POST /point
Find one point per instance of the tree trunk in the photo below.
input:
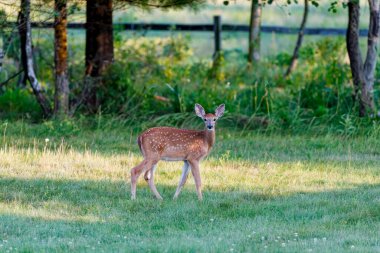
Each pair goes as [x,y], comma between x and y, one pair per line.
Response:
[1,59]
[254,32]
[352,43]
[61,98]
[29,68]
[294,60]
[22,34]
[371,59]
[99,45]
[363,74]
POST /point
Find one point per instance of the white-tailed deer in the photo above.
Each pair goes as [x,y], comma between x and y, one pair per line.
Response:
[173,144]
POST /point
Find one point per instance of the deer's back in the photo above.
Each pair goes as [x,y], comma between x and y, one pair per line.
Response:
[172,144]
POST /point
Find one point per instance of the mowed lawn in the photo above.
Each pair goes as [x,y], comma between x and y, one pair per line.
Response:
[262,193]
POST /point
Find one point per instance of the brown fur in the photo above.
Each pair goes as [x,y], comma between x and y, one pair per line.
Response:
[173,144]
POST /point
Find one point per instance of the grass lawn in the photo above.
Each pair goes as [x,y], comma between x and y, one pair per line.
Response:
[261,194]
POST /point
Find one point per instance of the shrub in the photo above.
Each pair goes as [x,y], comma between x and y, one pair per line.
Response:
[14,102]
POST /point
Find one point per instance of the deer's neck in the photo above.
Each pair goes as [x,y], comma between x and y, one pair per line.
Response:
[209,138]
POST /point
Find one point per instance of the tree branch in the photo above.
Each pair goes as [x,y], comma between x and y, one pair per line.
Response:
[10,78]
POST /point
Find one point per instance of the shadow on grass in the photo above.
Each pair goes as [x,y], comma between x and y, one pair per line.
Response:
[102,198]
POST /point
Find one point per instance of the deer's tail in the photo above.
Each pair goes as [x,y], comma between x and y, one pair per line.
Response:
[139,142]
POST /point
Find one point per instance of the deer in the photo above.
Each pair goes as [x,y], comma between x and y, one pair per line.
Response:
[174,144]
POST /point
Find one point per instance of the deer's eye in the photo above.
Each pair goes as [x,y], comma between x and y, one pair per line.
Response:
[204,119]
[214,119]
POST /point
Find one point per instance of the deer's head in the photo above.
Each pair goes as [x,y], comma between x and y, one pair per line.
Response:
[209,118]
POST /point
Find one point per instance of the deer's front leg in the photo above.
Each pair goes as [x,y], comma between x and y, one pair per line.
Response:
[197,177]
[182,181]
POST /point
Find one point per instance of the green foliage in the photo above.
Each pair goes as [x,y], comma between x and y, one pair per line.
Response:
[327,87]
[152,77]
[63,128]
[3,16]
[157,80]
[348,126]
[160,79]
[16,101]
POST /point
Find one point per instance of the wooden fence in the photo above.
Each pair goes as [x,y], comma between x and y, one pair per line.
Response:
[216,27]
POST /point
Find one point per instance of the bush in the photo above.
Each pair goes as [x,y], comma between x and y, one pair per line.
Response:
[14,102]
[156,77]
[158,80]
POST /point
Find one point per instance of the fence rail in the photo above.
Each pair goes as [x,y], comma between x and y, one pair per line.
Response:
[210,28]
[216,27]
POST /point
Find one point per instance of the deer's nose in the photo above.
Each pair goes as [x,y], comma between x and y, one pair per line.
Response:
[209,127]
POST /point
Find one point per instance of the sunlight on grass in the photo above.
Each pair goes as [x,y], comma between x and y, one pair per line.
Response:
[272,178]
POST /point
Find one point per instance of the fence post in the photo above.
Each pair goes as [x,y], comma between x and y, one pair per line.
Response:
[217,35]
[216,71]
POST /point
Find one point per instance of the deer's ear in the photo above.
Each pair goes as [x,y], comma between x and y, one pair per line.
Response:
[199,110]
[219,111]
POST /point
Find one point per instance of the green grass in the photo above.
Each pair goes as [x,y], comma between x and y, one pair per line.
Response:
[262,193]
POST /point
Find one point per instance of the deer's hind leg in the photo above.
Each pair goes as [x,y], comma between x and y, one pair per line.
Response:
[149,176]
[136,172]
